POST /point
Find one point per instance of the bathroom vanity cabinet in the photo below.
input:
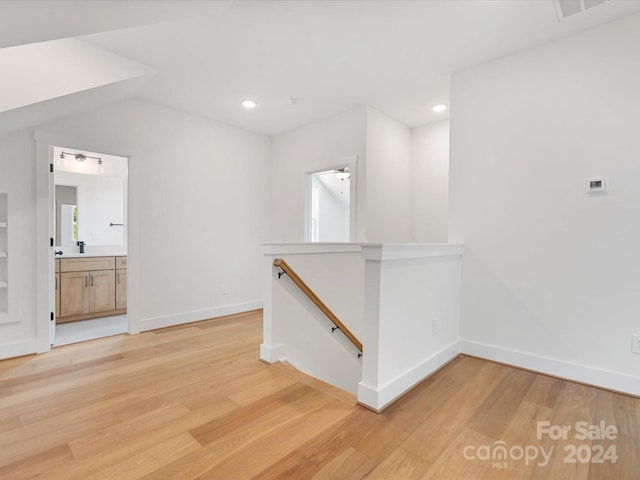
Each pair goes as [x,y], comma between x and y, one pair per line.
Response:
[121,283]
[90,287]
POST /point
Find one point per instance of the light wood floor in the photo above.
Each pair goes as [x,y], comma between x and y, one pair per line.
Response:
[194,402]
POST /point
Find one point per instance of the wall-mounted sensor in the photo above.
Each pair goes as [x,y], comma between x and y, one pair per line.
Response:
[596,185]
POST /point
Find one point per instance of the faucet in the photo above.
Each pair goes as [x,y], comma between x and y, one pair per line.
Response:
[81,245]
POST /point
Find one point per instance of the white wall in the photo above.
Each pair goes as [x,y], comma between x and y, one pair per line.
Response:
[319,146]
[17,179]
[388,194]
[550,275]
[430,183]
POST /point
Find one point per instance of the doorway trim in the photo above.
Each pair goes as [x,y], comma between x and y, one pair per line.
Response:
[351,162]
[45,265]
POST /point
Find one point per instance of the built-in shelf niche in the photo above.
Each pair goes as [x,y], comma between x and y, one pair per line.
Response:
[4,267]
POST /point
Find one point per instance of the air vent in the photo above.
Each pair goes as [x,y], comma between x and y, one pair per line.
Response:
[566,8]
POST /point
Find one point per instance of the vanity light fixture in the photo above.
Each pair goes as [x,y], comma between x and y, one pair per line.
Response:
[80,157]
[343,173]
[440,107]
[249,104]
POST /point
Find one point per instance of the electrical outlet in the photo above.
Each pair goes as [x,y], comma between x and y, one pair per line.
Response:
[434,326]
[224,289]
[635,343]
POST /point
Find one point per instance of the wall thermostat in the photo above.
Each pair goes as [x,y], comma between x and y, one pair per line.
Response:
[596,185]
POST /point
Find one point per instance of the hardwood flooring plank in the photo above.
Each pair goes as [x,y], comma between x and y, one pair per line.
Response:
[453,464]
[348,465]
[545,391]
[25,380]
[244,426]
[218,386]
[132,467]
[81,395]
[8,422]
[359,425]
[416,406]
[289,467]
[256,392]
[94,443]
[96,407]
[116,445]
[22,443]
[577,403]
[261,416]
[624,445]
[400,465]
[33,466]
[499,406]
[257,455]
[380,442]
[433,435]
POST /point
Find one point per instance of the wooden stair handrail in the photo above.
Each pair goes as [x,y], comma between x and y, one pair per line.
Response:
[281,264]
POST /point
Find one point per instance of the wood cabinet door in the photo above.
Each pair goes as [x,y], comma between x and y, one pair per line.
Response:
[121,262]
[102,290]
[57,294]
[121,289]
[74,293]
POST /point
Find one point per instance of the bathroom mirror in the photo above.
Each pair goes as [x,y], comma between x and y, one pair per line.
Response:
[90,198]
[66,215]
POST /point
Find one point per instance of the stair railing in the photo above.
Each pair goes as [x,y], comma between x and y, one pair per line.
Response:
[338,325]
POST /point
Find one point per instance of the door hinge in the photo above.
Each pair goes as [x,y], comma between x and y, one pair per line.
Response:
[51,168]
[52,316]
[51,241]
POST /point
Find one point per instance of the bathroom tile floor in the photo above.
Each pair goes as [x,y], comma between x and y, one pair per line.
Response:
[75,332]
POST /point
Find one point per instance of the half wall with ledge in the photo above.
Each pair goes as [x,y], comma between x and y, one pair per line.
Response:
[402,301]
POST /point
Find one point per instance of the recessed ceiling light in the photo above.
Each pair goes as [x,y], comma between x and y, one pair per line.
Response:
[249,104]
[441,107]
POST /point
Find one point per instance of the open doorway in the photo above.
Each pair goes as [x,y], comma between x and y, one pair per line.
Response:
[330,212]
[89,211]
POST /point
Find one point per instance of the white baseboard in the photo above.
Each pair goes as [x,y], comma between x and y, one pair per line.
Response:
[378,399]
[197,315]
[18,349]
[558,368]
[272,353]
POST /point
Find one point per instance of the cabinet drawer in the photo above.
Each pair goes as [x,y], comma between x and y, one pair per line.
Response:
[87,263]
[121,262]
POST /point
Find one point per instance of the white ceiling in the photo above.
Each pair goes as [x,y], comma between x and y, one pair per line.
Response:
[31,21]
[396,56]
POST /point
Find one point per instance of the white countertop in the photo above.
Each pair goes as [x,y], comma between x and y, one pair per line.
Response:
[89,254]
